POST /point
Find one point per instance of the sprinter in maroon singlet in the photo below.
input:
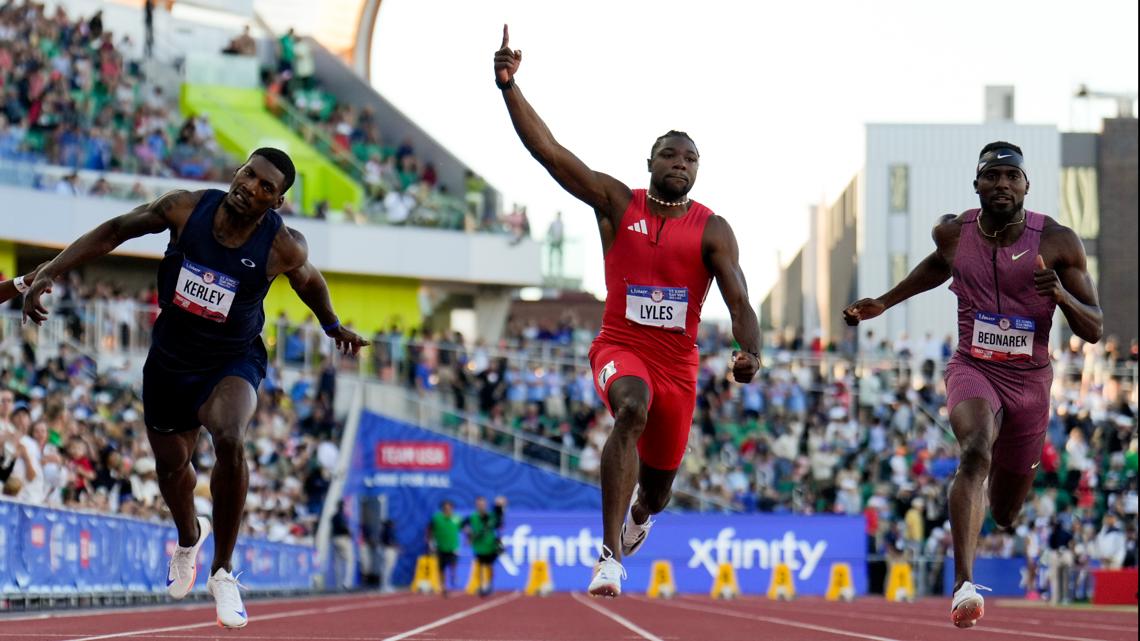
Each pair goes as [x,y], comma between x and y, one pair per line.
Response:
[1011,268]
[662,251]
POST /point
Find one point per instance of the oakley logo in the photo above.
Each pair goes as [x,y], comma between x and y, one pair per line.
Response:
[248,263]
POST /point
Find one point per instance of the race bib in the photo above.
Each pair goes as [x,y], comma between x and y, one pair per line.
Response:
[1002,338]
[205,292]
[664,307]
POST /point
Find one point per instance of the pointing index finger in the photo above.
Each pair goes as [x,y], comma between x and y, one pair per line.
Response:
[506,37]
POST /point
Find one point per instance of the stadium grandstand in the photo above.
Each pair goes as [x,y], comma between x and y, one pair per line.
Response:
[838,454]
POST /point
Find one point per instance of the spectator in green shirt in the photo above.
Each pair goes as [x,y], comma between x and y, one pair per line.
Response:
[482,529]
[443,539]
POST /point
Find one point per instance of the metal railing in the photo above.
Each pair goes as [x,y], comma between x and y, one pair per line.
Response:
[428,413]
[313,134]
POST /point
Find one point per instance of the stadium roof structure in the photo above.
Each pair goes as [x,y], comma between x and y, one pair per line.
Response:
[344,27]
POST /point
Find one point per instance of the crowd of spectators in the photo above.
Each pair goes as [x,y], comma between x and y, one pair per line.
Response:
[72,98]
[73,436]
[858,428]
[819,431]
[401,188]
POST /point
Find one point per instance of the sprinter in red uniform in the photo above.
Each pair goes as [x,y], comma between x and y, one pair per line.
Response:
[1011,269]
[662,251]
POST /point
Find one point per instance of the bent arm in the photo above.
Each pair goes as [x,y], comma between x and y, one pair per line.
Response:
[723,260]
[1080,303]
[166,212]
[29,468]
[304,278]
[928,274]
[604,193]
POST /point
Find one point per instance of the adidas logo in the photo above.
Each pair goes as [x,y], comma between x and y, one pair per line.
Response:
[639,227]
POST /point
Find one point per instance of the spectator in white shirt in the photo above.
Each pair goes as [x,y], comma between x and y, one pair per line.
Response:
[29,469]
[1078,449]
[68,186]
[398,206]
[1110,548]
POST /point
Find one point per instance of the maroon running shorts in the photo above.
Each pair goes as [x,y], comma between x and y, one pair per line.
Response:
[1018,398]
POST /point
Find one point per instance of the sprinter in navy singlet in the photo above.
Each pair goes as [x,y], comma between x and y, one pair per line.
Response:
[206,358]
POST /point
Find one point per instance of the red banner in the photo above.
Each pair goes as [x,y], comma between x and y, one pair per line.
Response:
[413,455]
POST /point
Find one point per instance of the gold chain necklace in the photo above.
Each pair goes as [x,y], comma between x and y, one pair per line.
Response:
[998,232]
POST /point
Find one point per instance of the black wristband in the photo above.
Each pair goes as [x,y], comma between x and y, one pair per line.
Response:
[509,84]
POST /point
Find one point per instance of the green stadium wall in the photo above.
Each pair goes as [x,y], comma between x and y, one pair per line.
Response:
[369,303]
[8,259]
[241,124]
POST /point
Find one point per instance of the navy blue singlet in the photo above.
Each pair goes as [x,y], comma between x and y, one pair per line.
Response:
[211,296]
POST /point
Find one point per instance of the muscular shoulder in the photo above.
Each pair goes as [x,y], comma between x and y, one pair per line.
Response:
[290,250]
[177,205]
[718,233]
[947,229]
[1060,238]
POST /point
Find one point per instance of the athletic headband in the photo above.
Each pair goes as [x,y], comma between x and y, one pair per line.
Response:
[1003,156]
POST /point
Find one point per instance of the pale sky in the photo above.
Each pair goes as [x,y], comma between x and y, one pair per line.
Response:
[776,95]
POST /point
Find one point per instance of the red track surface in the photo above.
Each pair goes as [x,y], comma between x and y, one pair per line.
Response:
[573,617]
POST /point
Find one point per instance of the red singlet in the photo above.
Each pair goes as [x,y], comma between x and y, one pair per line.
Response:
[656,283]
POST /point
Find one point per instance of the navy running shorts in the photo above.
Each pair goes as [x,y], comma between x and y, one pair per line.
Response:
[171,399]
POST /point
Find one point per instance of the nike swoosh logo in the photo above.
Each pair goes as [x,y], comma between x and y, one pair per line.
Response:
[241,613]
[1005,156]
[169,581]
[1016,256]
[1034,466]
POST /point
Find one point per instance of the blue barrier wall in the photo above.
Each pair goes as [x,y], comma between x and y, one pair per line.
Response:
[417,469]
[559,519]
[47,550]
[1006,577]
[695,544]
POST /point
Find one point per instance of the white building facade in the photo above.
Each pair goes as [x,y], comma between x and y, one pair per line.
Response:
[913,175]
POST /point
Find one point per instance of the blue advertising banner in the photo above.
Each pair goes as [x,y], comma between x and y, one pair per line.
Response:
[1006,577]
[416,469]
[695,544]
[9,558]
[47,550]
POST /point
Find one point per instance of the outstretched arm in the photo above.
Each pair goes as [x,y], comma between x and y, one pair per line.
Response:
[1066,280]
[722,256]
[168,211]
[10,289]
[930,273]
[604,193]
[293,257]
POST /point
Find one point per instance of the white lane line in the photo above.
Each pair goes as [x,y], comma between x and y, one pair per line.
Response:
[981,627]
[984,627]
[989,618]
[453,618]
[998,616]
[275,637]
[773,620]
[264,617]
[617,618]
[187,607]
